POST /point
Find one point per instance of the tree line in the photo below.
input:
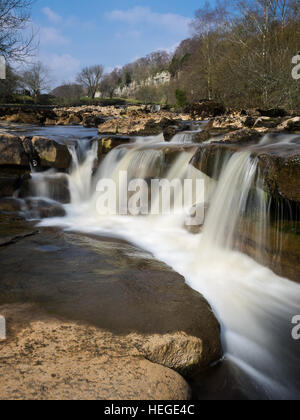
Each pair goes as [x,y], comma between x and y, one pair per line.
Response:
[240,53]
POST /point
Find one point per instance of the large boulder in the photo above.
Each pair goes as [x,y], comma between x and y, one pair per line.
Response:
[210,158]
[279,249]
[280,171]
[245,135]
[177,351]
[50,153]
[107,143]
[148,125]
[12,152]
[14,164]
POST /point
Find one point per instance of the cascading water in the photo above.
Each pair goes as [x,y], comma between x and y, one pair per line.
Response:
[254,305]
[80,180]
[188,136]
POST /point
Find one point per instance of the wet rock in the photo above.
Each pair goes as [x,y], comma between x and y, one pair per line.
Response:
[210,158]
[44,209]
[170,132]
[202,136]
[279,249]
[14,164]
[280,171]
[14,228]
[10,205]
[51,154]
[55,186]
[11,179]
[106,144]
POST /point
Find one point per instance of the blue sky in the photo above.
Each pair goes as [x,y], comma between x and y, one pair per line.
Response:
[78,33]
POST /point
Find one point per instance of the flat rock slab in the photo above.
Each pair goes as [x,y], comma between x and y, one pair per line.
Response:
[118,290]
[48,358]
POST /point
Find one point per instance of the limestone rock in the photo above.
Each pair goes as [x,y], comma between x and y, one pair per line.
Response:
[292,124]
[281,174]
[12,151]
[106,144]
[244,135]
[51,154]
[61,360]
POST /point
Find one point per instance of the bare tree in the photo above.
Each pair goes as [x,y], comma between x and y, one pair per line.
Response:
[208,25]
[9,86]
[264,21]
[14,19]
[36,79]
[90,78]
[110,83]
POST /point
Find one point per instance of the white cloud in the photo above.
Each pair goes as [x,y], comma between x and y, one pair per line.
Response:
[61,64]
[52,36]
[171,22]
[52,16]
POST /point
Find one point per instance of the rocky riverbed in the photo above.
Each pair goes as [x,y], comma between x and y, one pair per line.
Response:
[218,139]
[98,318]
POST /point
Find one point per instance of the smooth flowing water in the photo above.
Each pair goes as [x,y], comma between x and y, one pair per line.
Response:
[254,306]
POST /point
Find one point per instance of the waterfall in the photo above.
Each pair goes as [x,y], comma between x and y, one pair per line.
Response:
[80,180]
[237,193]
[254,305]
[184,137]
[188,136]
